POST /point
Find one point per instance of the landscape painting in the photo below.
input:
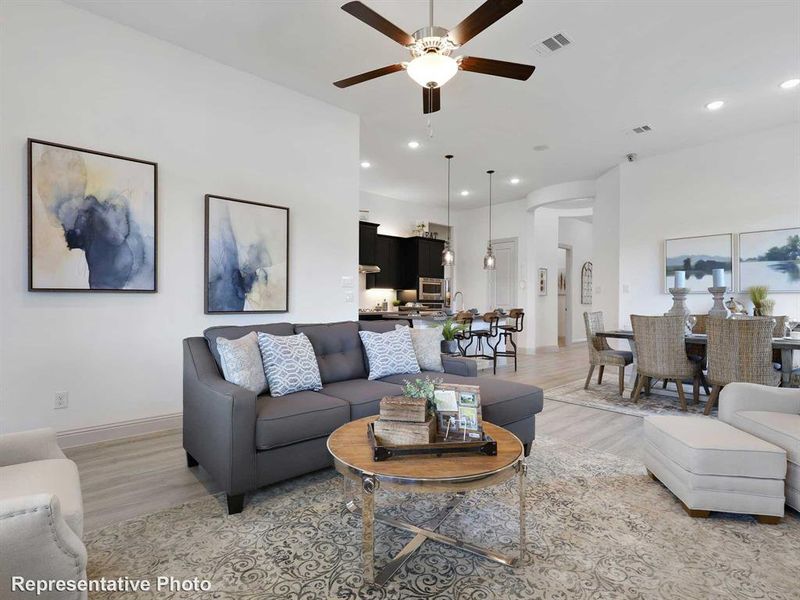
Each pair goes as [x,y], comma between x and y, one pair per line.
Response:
[770,258]
[92,220]
[699,256]
[247,256]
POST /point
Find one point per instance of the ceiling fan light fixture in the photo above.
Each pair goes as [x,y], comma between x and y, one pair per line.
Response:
[432,70]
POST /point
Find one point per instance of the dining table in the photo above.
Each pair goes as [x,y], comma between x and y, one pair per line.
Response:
[786,345]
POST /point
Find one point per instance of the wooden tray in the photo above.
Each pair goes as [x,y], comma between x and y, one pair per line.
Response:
[486,446]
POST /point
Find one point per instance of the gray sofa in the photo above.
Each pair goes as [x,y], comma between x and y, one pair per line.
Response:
[246,441]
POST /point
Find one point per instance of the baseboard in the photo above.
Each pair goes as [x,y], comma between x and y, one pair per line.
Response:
[82,436]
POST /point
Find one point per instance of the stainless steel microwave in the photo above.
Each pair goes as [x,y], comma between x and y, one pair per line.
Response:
[431,289]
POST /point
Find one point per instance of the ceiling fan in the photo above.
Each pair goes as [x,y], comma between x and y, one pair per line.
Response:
[432,64]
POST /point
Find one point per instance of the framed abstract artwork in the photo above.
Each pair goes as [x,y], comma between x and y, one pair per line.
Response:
[92,223]
[246,256]
[770,258]
[698,257]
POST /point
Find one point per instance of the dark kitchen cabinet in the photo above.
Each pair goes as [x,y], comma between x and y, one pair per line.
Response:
[367,243]
[429,257]
[387,254]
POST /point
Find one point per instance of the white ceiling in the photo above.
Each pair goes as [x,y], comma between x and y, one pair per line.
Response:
[656,62]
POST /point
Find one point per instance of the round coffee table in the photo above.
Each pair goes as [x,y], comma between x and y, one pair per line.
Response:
[352,457]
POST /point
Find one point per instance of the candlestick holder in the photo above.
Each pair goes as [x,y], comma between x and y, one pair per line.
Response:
[679,302]
[718,310]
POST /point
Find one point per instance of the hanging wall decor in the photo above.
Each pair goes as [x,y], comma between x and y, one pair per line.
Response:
[586,283]
[697,257]
[770,258]
[91,220]
[246,256]
[543,282]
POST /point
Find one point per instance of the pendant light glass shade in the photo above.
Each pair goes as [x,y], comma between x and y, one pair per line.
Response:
[448,256]
[488,259]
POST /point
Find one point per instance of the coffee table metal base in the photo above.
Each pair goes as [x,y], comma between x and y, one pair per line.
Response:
[369,488]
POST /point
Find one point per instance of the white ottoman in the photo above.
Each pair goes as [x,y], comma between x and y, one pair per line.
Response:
[711,466]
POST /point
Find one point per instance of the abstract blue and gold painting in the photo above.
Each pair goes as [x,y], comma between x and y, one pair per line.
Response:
[92,220]
[247,256]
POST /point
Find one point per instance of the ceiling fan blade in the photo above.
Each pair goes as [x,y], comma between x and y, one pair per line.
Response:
[483,16]
[499,68]
[366,15]
[343,83]
[431,100]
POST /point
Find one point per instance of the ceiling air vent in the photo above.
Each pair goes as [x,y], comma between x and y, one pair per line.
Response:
[552,44]
[642,129]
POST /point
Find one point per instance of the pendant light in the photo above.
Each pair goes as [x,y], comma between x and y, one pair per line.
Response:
[488,260]
[448,256]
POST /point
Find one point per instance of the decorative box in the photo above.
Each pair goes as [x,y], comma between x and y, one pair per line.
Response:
[399,433]
[403,408]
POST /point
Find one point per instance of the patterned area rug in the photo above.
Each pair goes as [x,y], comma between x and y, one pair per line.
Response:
[606,397]
[599,528]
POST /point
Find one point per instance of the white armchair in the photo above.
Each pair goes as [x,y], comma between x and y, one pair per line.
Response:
[41,514]
[772,414]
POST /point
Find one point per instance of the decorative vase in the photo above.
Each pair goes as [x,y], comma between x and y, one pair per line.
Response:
[449,347]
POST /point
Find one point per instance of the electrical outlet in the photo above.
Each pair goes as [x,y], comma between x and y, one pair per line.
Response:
[349,297]
[61,400]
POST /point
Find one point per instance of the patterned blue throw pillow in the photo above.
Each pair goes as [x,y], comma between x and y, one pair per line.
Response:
[290,363]
[389,353]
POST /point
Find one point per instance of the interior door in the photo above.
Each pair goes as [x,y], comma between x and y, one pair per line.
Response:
[503,280]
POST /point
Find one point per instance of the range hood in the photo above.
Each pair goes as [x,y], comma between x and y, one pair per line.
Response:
[369,269]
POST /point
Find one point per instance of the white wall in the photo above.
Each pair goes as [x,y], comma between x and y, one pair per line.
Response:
[607,265]
[74,78]
[749,183]
[577,235]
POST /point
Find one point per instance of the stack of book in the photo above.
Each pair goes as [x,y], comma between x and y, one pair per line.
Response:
[404,420]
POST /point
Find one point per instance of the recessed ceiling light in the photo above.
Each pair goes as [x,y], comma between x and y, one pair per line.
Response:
[413,144]
[366,164]
[790,83]
[465,192]
[541,147]
[715,105]
[514,180]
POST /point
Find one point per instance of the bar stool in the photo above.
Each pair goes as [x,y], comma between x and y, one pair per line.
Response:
[514,324]
[493,319]
[464,318]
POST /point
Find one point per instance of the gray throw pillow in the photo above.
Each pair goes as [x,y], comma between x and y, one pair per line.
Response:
[241,362]
[389,353]
[427,346]
[290,363]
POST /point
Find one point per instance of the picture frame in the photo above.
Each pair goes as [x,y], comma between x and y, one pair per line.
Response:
[698,256]
[105,206]
[458,412]
[246,256]
[586,283]
[769,257]
[542,282]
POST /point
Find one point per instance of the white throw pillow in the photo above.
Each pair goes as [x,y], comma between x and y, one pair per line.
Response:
[290,363]
[427,346]
[389,353]
[241,362]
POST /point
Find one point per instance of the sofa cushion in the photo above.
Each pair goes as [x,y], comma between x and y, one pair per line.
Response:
[58,476]
[290,363]
[338,350]
[710,447]
[781,429]
[389,353]
[297,417]
[241,362]
[427,344]
[502,402]
[233,332]
[363,396]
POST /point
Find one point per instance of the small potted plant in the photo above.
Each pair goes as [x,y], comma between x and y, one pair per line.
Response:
[762,305]
[449,331]
[422,388]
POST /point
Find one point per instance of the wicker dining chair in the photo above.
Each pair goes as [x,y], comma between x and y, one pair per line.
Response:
[740,350]
[601,354]
[661,354]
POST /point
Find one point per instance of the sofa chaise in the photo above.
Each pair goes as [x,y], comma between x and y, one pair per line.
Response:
[246,441]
